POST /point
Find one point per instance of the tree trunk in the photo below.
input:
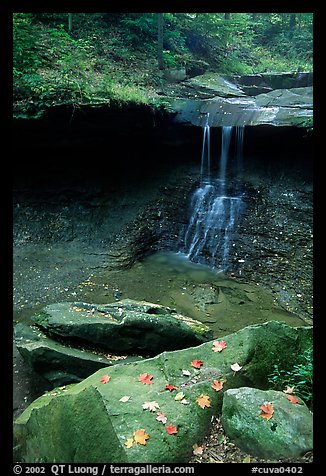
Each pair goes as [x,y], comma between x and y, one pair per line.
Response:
[227,16]
[69,22]
[160,41]
[293,21]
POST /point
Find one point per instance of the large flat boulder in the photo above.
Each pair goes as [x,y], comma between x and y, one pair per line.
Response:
[55,427]
[60,364]
[126,326]
[278,99]
[283,107]
[287,434]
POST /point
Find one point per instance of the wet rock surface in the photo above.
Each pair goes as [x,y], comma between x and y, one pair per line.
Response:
[60,363]
[288,434]
[278,99]
[70,409]
[79,226]
[126,326]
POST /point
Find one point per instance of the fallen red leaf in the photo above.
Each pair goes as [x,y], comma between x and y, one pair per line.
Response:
[267,410]
[146,379]
[197,363]
[292,399]
[170,387]
[105,379]
[171,429]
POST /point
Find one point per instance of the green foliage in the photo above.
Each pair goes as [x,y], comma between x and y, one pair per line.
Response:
[113,56]
[300,376]
[25,53]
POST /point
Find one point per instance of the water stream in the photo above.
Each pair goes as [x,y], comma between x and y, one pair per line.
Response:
[209,236]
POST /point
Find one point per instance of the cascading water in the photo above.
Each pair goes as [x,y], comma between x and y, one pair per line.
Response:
[209,235]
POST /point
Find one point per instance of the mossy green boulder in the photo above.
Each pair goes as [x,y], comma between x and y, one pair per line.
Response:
[60,364]
[88,421]
[288,433]
[126,326]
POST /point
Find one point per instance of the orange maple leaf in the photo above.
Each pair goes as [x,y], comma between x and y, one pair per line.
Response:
[146,379]
[218,346]
[197,363]
[140,436]
[105,379]
[267,410]
[170,387]
[171,429]
[217,385]
[203,401]
[292,399]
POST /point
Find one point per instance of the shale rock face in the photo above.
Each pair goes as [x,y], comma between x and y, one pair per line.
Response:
[125,326]
[282,99]
[287,434]
[56,427]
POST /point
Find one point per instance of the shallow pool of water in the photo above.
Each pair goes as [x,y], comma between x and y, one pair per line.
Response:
[224,304]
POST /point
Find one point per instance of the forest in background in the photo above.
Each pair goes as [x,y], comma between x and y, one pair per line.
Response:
[75,58]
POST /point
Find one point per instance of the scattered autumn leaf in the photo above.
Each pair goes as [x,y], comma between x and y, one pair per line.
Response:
[105,379]
[170,387]
[203,401]
[267,410]
[219,345]
[184,401]
[146,379]
[171,429]
[217,385]
[197,363]
[292,399]
[179,396]
[151,406]
[197,450]
[289,389]
[129,443]
[236,367]
[140,436]
[186,373]
[124,399]
[161,417]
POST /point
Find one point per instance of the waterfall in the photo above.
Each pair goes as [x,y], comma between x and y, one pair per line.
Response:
[209,235]
[206,152]
[226,139]
[239,133]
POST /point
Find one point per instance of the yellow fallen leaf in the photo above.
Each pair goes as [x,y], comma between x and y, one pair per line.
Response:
[140,436]
[129,443]
[179,396]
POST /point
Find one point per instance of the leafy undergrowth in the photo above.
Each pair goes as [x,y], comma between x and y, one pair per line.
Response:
[217,448]
[113,57]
